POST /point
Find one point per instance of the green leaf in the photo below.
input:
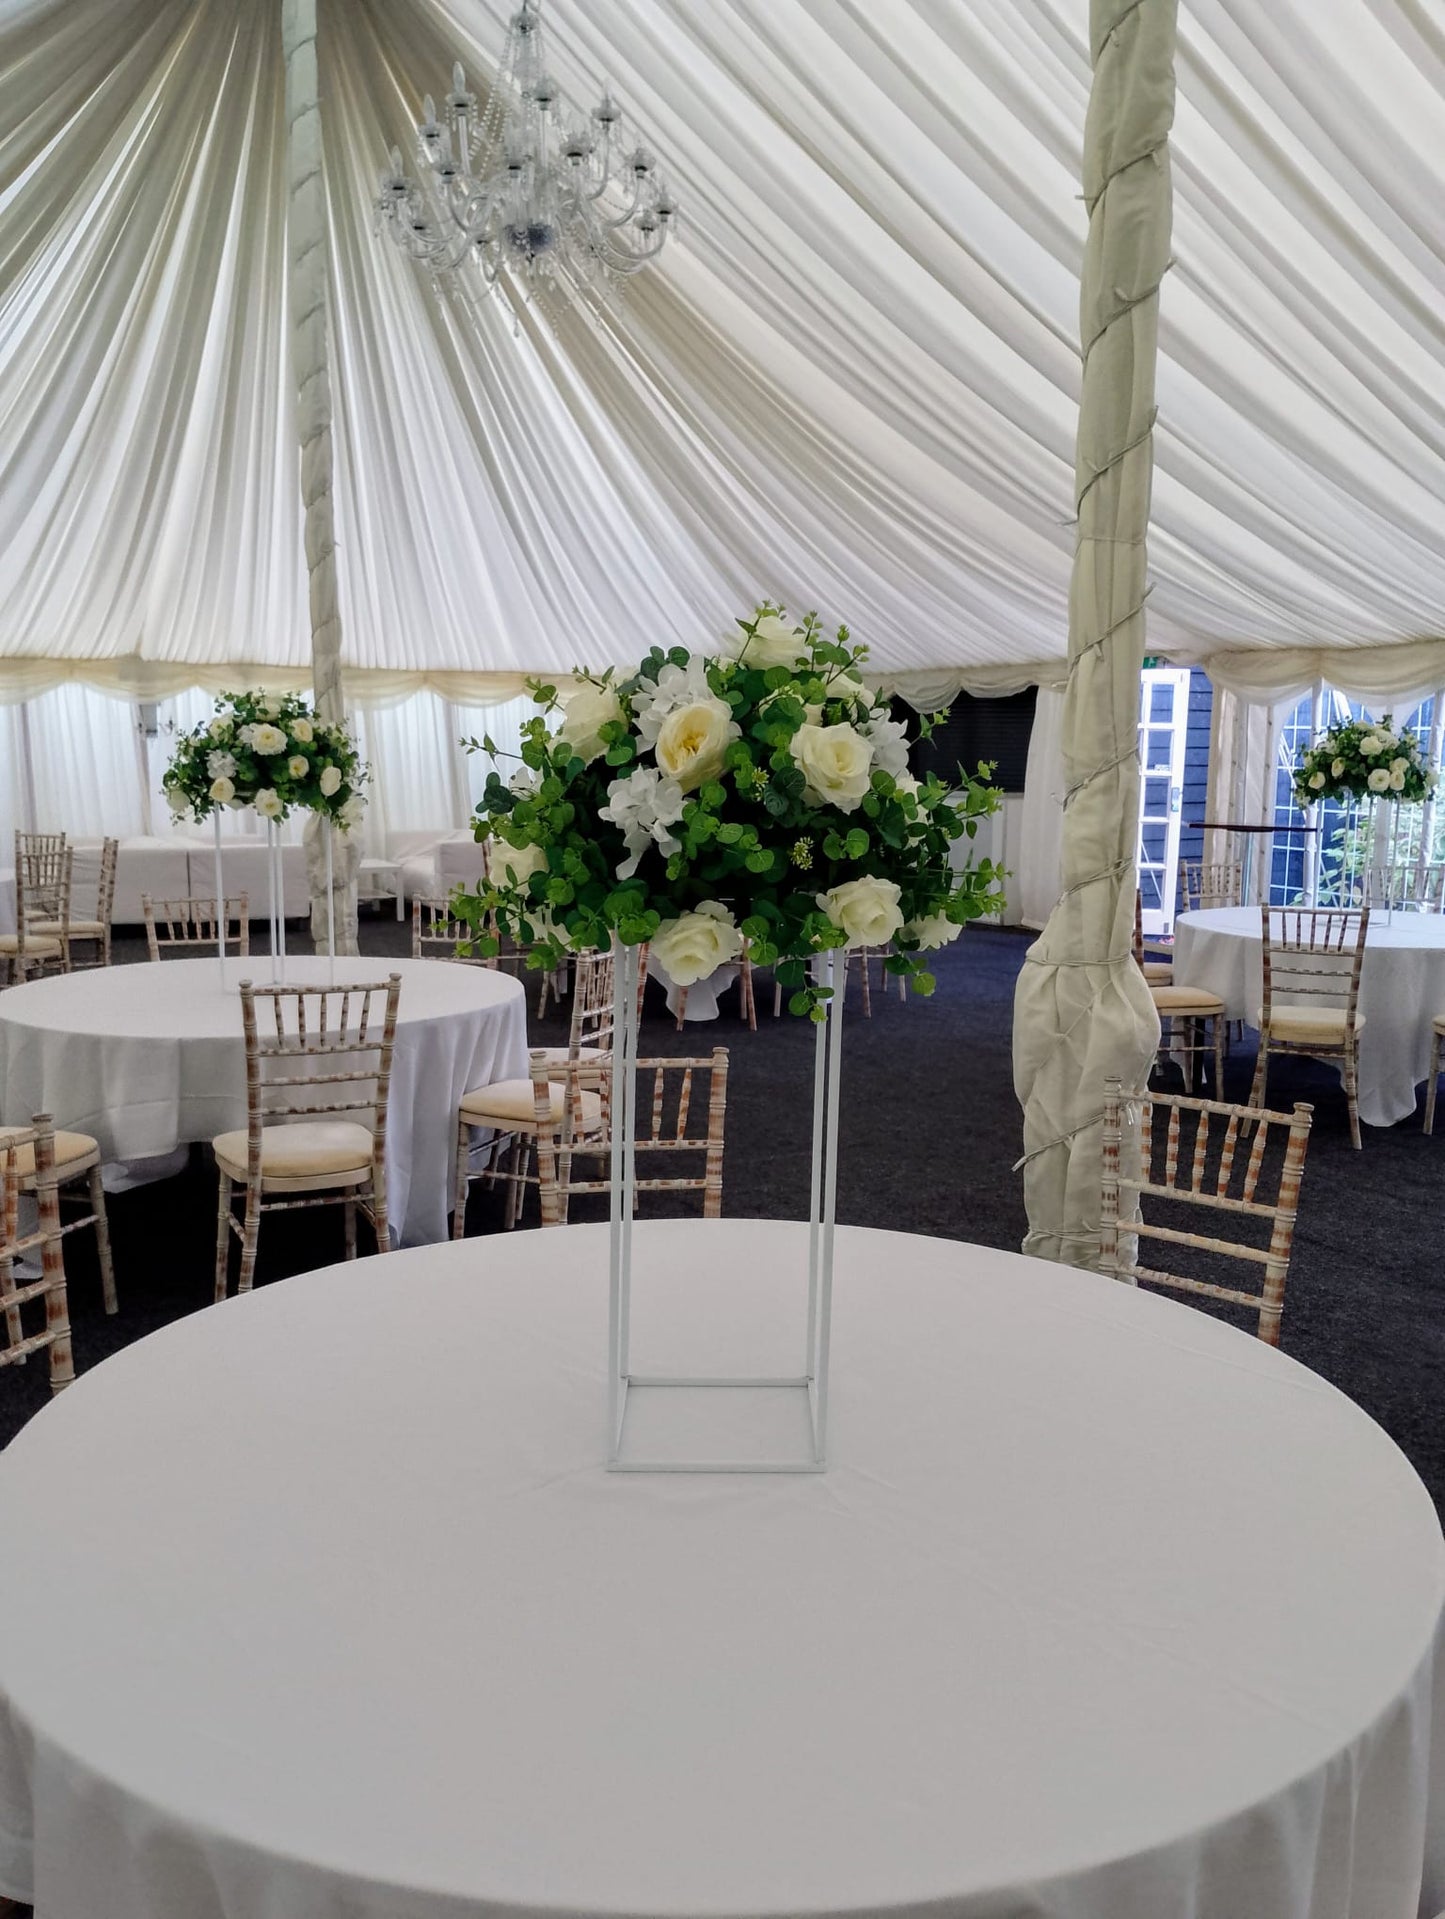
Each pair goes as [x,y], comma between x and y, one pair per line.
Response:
[760,860]
[924,983]
[712,795]
[729,833]
[620,752]
[857,843]
[800,1003]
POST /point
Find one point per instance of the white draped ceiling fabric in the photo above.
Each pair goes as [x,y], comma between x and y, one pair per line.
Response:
[853,382]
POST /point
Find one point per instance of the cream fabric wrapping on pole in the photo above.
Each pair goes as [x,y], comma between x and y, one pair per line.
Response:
[306,262]
[1082,1010]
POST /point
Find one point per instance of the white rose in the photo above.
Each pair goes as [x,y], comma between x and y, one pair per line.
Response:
[1400,766]
[1370,746]
[866,910]
[1317,780]
[848,688]
[268,803]
[223,791]
[1380,780]
[177,802]
[269,709]
[772,643]
[586,709]
[219,728]
[302,732]
[267,740]
[696,944]
[1337,769]
[297,766]
[837,763]
[936,930]
[692,742]
[330,781]
[1397,782]
[517,863]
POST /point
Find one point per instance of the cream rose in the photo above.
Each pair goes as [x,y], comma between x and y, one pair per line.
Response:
[1397,782]
[1380,779]
[330,781]
[219,728]
[297,766]
[1317,780]
[223,791]
[586,709]
[936,930]
[177,802]
[1370,746]
[696,944]
[837,763]
[771,643]
[1401,765]
[267,740]
[268,803]
[302,732]
[1337,769]
[866,910]
[517,864]
[693,740]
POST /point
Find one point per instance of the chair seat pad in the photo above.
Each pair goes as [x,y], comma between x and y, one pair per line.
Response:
[1187,999]
[317,1147]
[511,1102]
[77,929]
[559,1055]
[1309,1025]
[1438,1023]
[1158,972]
[68,1147]
[35,948]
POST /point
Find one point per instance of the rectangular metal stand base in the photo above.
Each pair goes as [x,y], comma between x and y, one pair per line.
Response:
[677,1424]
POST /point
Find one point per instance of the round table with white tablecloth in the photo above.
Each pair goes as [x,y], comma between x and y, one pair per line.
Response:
[1402,988]
[150,1057]
[322,1601]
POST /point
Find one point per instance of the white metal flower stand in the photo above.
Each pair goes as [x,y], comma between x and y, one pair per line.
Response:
[810,1384]
[276,903]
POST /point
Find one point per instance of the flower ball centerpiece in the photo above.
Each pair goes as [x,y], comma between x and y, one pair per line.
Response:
[1364,760]
[270,752]
[759,796]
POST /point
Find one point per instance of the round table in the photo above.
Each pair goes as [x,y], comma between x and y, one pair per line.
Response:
[1402,988]
[321,1601]
[150,1057]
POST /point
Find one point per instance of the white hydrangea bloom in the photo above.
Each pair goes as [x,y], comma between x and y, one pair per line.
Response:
[644,806]
[676,686]
[889,740]
[221,766]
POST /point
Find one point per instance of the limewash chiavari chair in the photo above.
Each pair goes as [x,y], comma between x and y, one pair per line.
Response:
[1312,957]
[674,1098]
[507,1109]
[89,932]
[1221,1159]
[43,865]
[336,1040]
[1156,972]
[1429,892]
[182,925]
[1208,883]
[747,1005]
[76,1157]
[1437,1042]
[437,933]
[28,1166]
[1184,1012]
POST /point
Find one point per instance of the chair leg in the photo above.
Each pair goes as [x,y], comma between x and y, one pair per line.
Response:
[1352,1091]
[681,1006]
[350,1210]
[863,958]
[102,1240]
[459,1196]
[223,1236]
[746,1008]
[381,1223]
[1257,1085]
[777,999]
[250,1233]
[14,1331]
[1430,1089]
[1221,1034]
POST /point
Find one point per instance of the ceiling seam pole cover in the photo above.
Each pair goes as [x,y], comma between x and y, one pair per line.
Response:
[307,253]
[1082,1010]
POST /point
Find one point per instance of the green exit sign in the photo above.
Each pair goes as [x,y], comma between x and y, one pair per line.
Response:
[1152,660]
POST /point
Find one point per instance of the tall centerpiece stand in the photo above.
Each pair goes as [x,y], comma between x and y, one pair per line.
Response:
[273,753]
[754,804]
[1375,765]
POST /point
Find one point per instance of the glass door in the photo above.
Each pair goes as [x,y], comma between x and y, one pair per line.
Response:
[1163,731]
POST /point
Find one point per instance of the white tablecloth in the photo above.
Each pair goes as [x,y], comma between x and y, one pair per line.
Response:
[320,1603]
[1402,988]
[149,1057]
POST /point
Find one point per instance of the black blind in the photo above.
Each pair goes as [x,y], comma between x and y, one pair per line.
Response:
[976,729]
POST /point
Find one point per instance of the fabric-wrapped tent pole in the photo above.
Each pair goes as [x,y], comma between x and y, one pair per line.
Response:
[1082,1010]
[306,275]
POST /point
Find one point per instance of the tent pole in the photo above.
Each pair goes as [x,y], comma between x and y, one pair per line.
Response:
[1082,1010]
[307,267]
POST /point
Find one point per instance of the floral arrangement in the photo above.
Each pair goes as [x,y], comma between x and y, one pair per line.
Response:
[1363,759]
[760,795]
[270,753]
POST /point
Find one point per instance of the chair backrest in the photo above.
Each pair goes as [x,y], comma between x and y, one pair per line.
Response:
[1429,893]
[1404,886]
[185,925]
[27,1158]
[436,933]
[1312,957]
[305,1041]
[594,985]
[1236,1163]
[43,866]
[105,889]
[681,1116]
[1206,883]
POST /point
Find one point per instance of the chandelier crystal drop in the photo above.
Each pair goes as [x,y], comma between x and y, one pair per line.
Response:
[525,189]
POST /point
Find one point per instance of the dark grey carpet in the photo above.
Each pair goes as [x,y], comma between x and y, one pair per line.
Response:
[930,1131]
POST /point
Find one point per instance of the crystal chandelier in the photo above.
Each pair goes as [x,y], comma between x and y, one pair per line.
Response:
[525,190]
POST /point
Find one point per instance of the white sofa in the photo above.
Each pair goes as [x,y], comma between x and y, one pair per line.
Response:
[180,868]
[433,864]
